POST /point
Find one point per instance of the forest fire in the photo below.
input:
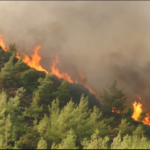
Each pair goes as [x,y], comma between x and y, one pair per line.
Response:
[82,82]
[2,44]
[55,71]
[34,62]
[137,112]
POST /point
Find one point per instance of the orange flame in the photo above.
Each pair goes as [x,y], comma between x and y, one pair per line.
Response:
[138,110]
[85,85]
[55,71]
[115,111]
[2,44]
[146,120]
[34,63]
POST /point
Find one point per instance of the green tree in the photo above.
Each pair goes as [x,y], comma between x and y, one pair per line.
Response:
[127,113]
[113,98]
[130,142]
[45,93]
[29,79]
[12,48]
[42,127]
[20,65]
[96,142]
[67,143]
[42,144]
[14,108]
[79,118]
[116,142]
[63,93]
[11,127]
[139,131]
[125,127]
[7,71]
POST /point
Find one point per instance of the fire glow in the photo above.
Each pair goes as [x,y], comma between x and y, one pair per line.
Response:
[137,107]
[115,111]
[34,63]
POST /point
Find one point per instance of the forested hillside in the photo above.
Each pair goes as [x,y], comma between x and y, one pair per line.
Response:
[40,111]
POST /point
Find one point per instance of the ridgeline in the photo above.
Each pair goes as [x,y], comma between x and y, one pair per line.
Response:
[40,111]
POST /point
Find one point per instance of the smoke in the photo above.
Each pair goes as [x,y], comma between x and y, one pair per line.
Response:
[106,41]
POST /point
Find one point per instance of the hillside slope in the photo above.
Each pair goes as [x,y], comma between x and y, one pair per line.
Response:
[38,110]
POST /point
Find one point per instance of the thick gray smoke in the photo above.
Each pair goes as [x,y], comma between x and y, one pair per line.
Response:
[104,40]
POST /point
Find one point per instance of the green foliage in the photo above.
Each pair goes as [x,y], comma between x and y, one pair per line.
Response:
[12,48]
[125,127]
[113,98]
[45,93]
[42,144]
[10,125]
[79,118]
[68,142]
[29,140]
[130,142]
[8,69]
[29,79]
[127,113]
[139,131]
[20,65]
[5,56]
[63,93]
[96,142]
[36,113]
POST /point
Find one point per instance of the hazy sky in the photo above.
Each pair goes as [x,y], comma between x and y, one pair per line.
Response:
[104,40]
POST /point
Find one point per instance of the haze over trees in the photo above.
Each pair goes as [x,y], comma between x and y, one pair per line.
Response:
[39,111]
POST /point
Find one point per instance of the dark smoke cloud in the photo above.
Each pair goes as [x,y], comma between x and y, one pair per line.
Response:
[104,40]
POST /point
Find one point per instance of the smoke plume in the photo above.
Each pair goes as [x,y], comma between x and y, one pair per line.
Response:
[106,41]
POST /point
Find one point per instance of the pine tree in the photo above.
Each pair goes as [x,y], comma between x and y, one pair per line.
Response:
[5,132]
[96,142]
[45,91]
[139,131]
[67,143]
[20,65]
[130,142]
[116,142]
[113,98]
[79,118]
[10,125]
[43,125]
[63,93]
[125,127]
[42,144]
[8,69]
[12,48]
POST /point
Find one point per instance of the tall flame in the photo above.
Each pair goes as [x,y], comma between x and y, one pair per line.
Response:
[2,44]
[35,61]
[138,110]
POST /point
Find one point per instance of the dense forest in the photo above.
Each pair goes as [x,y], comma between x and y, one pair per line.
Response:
[40,111]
